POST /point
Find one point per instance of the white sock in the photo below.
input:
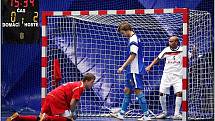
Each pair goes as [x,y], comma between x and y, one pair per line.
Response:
[177,105]
[163,103]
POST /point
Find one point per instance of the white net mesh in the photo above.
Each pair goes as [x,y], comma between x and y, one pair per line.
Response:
[91,44]
[201,76]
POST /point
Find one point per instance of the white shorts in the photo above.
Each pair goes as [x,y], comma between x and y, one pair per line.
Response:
[169,80]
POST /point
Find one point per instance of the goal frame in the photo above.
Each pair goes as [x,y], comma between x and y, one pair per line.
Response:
[185,40]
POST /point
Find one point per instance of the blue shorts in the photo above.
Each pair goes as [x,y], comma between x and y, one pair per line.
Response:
[134,81]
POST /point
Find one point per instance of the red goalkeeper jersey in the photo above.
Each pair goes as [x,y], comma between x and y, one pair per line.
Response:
[58,100]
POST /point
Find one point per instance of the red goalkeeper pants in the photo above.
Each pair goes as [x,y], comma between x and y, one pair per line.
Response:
[35,118]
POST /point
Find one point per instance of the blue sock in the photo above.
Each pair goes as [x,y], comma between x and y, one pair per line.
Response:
[142,102]
[125,103]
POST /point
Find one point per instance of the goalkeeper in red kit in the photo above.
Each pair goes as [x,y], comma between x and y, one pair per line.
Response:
[60,103]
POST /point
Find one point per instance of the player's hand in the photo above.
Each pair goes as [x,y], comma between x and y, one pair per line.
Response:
[120,70]
[148,68]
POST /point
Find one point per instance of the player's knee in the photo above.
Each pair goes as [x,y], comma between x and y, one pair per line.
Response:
[137,91]
[127,91]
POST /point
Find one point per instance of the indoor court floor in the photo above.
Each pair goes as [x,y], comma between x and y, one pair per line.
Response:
[114,119]
[129,119]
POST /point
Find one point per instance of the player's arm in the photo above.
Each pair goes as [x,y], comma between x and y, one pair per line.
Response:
[77,92]
[148,68]
[133,52]
[73,104]
[127,62]
[71,114]
[160,56]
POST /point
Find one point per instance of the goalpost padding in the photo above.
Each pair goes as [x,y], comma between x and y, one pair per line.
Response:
[87,41]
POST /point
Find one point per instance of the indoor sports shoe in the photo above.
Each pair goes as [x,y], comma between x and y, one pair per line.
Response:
[11,118]
[162,115]
[177,117]
[144,118]
[117,115]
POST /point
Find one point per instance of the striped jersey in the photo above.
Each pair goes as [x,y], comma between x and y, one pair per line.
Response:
[137,65]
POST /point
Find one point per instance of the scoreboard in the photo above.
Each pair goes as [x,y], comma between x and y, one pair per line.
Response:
[20,21]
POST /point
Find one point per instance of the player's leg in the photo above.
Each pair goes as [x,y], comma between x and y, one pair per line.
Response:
[162,99]
[141,100]
[178,102]
[17,117]
[45,110]
[143,105]
[62,117]
[127,94]
[125,104]
[164,89]
[178,91]
[126,99]
[138,85]
[13,117]
[56,118]
[50,108]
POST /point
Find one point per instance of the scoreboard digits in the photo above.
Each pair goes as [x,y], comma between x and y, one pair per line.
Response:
[20,21]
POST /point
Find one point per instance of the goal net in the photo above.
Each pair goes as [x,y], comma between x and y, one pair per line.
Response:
[87,42]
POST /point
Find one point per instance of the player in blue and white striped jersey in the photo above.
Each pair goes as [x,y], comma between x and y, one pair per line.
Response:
[134,67]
